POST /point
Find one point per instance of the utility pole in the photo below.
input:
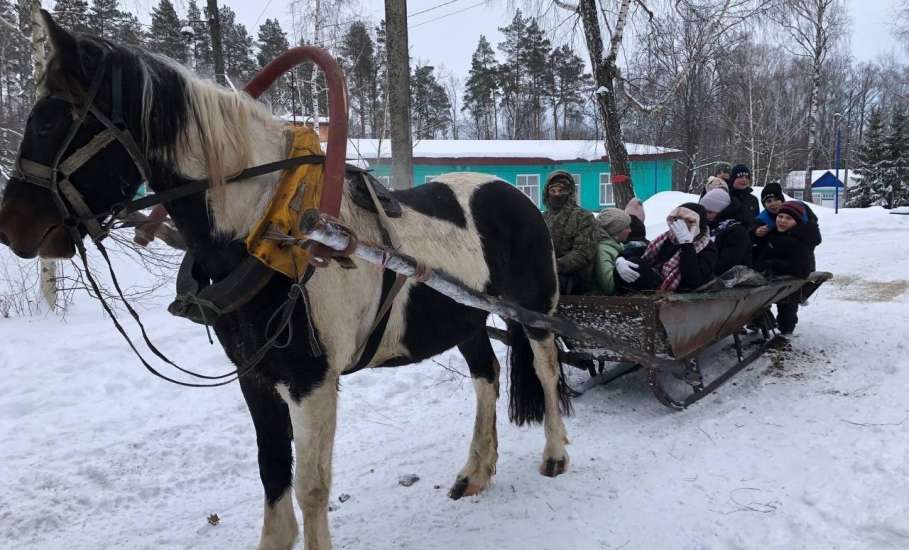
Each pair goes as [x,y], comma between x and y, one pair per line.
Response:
[217,49]
[399,93]
[47,268]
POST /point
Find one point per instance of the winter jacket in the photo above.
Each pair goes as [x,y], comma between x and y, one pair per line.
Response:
[768,219]
[731,236]
[697,268]
[573,231]
[604,269]
[745,197]
[790,252]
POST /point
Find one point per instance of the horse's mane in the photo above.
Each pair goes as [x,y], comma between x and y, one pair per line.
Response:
[199,127]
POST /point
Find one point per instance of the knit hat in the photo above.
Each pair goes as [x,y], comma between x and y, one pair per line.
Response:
[740,170]
[635,208]
[715,200]
[714,182]
[720,167]
[793,209]
[772,190]
[613,221]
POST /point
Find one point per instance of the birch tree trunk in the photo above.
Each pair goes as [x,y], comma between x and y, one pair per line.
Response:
[605,72]
[47,269]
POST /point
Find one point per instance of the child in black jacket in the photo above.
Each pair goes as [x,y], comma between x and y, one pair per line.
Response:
[789,250]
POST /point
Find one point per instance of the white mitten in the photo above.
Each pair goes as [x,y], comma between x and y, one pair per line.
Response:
[682,234]
[626,270]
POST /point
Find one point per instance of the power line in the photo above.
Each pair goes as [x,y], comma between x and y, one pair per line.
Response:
[256,24]
[446,15]
[443,4]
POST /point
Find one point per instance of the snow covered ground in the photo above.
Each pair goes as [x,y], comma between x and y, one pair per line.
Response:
[806,449]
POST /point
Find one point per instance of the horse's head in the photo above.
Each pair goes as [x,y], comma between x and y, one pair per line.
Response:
[75,160]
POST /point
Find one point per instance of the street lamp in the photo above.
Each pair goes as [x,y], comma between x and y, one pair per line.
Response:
[837,117]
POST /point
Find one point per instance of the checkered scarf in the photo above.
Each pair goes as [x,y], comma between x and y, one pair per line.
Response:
[670,271]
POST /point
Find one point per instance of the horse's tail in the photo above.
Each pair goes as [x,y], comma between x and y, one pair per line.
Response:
[526,403]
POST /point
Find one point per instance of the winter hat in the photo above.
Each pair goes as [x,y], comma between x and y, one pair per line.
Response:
[720,167]
[715,200]
[635,208]
[694,214]
[794,210]
[740,170]
[772,191]
[714,182]
[613,221]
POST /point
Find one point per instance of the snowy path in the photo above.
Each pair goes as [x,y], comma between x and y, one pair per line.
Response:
[808,451]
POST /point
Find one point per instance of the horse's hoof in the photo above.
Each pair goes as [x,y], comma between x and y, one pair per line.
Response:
[459,489]
[552,467]
[464,488]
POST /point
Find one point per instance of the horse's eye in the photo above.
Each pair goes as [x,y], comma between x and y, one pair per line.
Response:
[46,128]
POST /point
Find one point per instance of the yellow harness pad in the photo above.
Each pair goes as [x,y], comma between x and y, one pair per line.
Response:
[300,189]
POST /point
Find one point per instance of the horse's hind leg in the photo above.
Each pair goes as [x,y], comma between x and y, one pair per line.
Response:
[546,365]
[481,461]
[273,437]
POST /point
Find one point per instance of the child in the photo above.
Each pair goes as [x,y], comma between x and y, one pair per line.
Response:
[682,258]
[637,240]
[772,199]
[614,227]
[789,250]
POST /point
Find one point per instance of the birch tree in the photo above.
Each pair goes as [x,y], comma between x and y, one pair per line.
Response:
[814,27]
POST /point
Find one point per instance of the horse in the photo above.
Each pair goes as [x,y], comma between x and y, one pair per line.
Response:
[476,228]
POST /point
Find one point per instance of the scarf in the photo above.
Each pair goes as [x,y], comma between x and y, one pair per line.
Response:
[670,270]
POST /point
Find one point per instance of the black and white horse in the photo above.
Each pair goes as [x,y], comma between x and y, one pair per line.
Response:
[481,230]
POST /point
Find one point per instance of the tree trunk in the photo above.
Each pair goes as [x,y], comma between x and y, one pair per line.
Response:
[812,130]
[605,72]
[314,77]
[217,48]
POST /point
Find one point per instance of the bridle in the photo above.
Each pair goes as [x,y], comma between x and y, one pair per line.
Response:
[56,178]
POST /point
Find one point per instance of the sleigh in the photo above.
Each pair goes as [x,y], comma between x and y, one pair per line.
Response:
[680,327]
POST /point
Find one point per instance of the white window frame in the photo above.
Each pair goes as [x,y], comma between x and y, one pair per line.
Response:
[606,190]
[528,188]
[577,188]
[385,180]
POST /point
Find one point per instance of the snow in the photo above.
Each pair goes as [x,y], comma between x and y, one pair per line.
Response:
[806,449]
[555,150]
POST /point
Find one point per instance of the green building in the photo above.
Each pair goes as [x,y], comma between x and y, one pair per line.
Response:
[526,164]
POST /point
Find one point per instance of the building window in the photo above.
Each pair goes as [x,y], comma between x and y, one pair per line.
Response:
[427,179]
[796,194]
[577,188]
[606,197]
[384,180]
[529,184]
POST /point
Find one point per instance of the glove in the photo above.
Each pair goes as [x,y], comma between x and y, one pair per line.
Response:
[626,270]
[682,234]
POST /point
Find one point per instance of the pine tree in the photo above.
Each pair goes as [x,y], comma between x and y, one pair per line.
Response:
[272,43]
[537,74]
[129,30]
[237,44]
[568,83]
[358,56]
[511,72]
[103,18]
[72,15]
[165,36]
[203,63]
[872,159]
[481,91]
[896,167]
[430,107]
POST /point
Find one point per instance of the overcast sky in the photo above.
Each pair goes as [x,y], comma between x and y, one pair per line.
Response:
[448,34]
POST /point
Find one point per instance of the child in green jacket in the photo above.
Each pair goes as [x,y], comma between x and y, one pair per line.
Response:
[613,226]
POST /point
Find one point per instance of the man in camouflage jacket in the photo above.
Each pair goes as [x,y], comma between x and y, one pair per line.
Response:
[574,234]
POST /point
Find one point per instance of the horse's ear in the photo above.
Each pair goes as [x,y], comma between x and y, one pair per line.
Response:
[62,44]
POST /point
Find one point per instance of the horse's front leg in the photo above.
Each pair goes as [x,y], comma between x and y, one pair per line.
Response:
[273,438]
[314,417]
